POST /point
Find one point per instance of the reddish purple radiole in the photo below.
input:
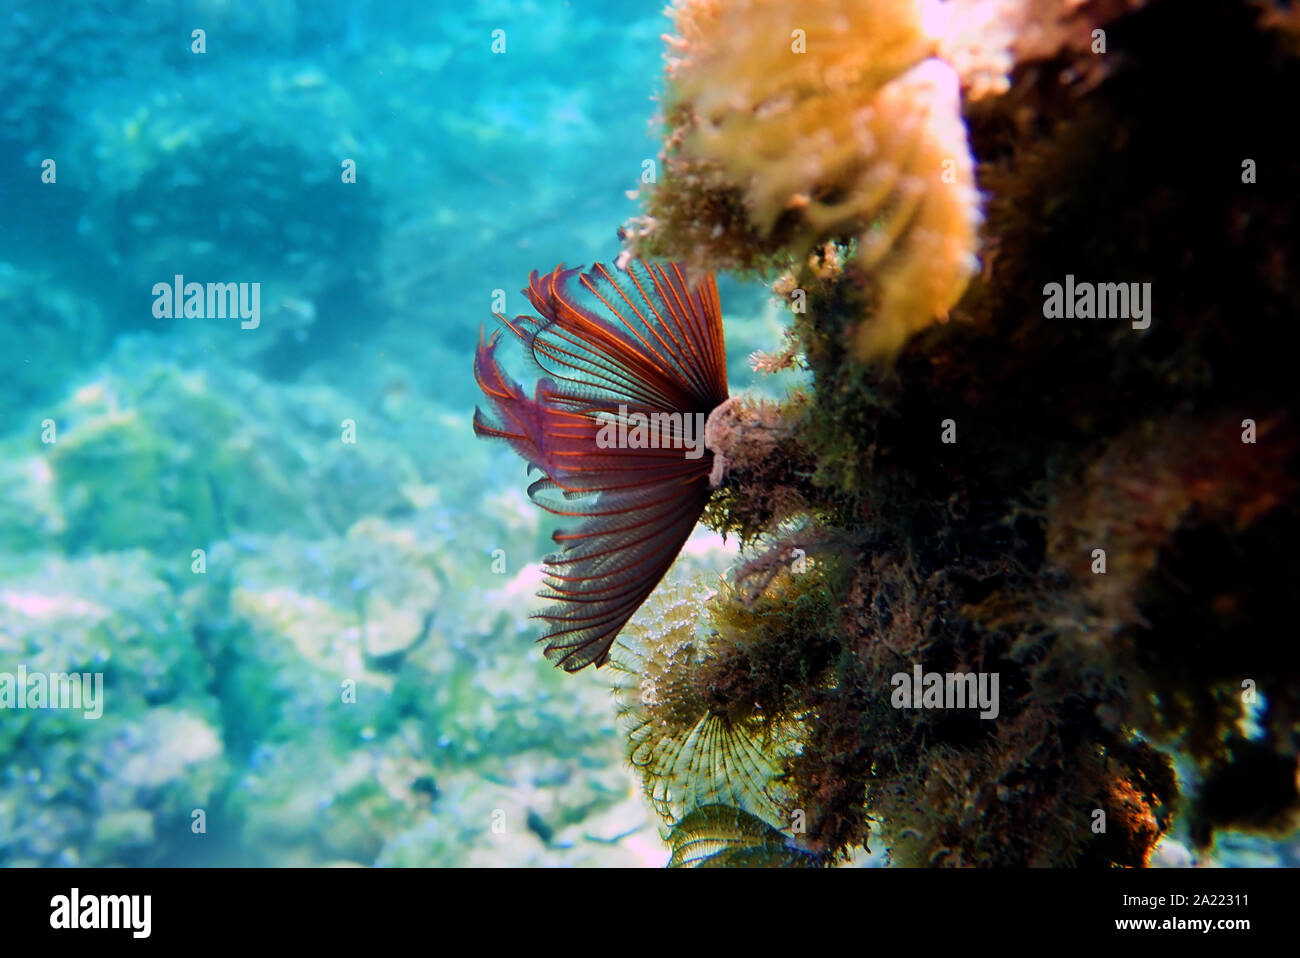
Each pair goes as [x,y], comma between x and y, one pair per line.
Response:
[614,346]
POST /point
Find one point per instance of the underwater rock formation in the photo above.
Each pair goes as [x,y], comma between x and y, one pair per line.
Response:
[1092,506]
[224,679]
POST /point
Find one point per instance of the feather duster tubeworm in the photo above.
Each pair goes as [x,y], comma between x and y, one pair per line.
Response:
[634,362]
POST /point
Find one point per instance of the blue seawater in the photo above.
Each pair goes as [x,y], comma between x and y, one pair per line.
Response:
[255,533]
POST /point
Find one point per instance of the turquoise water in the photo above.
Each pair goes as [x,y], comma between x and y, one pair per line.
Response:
[256,514]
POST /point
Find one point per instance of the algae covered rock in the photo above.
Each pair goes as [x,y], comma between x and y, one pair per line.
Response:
[1089,506]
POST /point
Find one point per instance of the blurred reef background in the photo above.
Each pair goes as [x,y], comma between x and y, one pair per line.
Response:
[374,562]
[405,562]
